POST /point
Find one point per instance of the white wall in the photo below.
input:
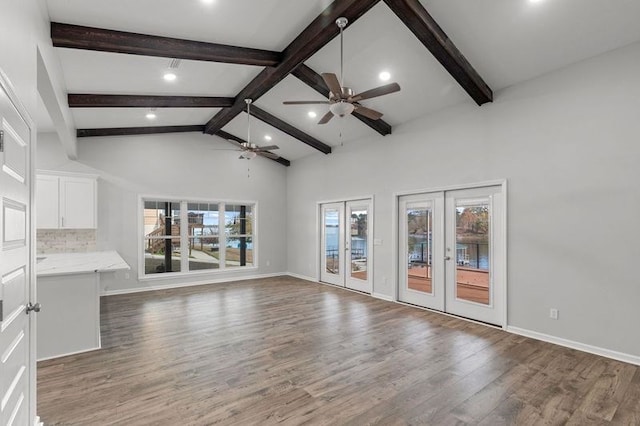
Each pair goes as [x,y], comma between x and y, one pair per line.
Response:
[25,34]
[180,165]
[568,144]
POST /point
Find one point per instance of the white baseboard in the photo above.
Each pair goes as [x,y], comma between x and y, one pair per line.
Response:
[607,353]
[303,277]
[188,284]
[69,354]
[383,297]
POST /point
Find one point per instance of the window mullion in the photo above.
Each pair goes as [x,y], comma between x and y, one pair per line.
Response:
[184,236]
[222,222]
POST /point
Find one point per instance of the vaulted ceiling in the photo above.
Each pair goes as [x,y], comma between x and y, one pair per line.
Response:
[441,52]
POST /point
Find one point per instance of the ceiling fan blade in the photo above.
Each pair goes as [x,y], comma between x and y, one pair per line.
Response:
[378,91]
[325,118]
[333,84]
[368,112]
[305,102]
[267,148]
[235,142]
[268,155]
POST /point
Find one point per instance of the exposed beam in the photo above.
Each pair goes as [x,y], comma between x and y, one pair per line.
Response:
[315,81]
[83,100]
[232,138]
[313,38]
[289,129]
[123,131]
[88,38]
[427,30]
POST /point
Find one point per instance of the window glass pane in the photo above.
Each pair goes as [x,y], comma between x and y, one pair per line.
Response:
[239,251]
[162,255]
[156,216]
[203,236]
[238,220]
[204,253]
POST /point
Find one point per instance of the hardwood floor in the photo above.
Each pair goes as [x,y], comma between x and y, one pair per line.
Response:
[286,351]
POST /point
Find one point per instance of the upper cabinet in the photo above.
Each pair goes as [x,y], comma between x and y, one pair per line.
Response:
[66,201]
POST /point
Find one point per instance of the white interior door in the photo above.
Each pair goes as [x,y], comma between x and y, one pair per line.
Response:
[451,252]
[475,254]
[332,245]
[358,245]
[421,249]
[17,358]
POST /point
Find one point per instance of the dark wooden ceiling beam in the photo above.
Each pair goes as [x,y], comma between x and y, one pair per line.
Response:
[103,40]
[232,138]
[83,100]
[315,81]
[289,129]
[313,38]
[125,131]
[427,30]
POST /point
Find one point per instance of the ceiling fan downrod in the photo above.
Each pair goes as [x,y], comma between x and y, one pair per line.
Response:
[342,23]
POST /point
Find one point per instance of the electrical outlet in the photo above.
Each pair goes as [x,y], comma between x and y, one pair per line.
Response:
[553,313]
[268,262]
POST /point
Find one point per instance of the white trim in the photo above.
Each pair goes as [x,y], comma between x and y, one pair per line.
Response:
[67,174]
[190,284]
[382,297]
[70,353]
[497,182]
[195,273]
[302,277]
[502,183]
[37,422]
[596,350]
[184,201]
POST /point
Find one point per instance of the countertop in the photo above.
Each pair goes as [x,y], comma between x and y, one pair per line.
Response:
[79,263]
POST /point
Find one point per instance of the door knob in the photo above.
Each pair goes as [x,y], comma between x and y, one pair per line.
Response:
[447,258]
[33,307]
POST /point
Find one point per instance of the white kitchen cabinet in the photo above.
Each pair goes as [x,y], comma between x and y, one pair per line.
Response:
[66,201]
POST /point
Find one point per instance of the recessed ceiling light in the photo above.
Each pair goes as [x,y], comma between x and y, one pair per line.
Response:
[312,114]
[151,115]
[535,1]
[169,76]
[267,137]
[384,76]
[208,1]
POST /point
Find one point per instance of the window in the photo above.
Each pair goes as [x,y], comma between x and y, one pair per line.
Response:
[189,236]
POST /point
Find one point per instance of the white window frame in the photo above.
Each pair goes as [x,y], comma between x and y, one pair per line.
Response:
[184,237]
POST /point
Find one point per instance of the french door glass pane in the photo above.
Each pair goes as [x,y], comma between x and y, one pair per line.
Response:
[358,244]
[419,249]
[332,240]
[472,252]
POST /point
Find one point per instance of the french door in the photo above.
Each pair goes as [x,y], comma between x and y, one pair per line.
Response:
[451,252]
[345,246]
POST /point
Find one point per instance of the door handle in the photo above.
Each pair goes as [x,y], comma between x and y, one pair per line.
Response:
[33,307]
[447,258]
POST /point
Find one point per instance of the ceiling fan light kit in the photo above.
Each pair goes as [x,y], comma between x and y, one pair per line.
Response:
[342,100]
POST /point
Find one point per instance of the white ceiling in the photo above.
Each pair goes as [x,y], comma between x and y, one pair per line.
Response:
[507,41]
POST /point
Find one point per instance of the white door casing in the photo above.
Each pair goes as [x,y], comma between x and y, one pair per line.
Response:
[442,277]
[17,284]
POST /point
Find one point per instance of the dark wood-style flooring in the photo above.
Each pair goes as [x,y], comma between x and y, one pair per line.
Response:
[286,351]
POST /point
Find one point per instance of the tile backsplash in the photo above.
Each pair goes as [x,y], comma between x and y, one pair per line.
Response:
[65,240]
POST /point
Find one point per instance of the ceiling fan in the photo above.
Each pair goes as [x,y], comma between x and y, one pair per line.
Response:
[342,100]
[251,150]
